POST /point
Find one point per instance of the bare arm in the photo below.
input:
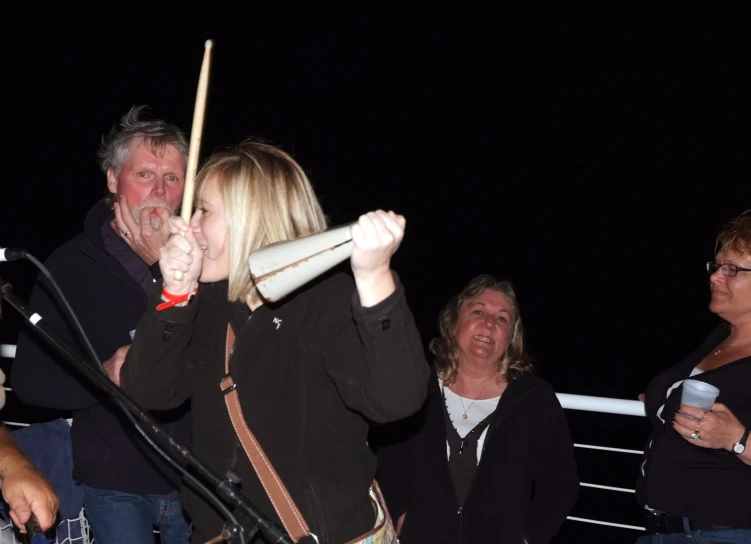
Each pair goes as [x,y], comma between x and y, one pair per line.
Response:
[23,487]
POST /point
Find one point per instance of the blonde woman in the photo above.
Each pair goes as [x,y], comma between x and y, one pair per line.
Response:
[311,370]
[490,457]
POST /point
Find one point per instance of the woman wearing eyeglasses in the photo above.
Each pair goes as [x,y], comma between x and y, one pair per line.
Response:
[695,480]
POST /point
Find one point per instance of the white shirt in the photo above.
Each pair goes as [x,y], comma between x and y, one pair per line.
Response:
[477,410]
[694,372]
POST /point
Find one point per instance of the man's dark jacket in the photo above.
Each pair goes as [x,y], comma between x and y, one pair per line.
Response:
[108,453]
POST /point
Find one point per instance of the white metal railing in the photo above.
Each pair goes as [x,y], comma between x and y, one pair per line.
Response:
[602,404]
[568,401]
[608,406]
[69,531]
[604,448]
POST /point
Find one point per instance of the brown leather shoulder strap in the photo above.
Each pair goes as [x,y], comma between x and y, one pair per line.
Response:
[285,507]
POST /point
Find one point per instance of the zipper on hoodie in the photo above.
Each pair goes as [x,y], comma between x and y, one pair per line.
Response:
[460,516]
[460,512]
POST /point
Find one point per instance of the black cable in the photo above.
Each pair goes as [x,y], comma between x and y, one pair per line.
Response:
[245,519]
[92,353]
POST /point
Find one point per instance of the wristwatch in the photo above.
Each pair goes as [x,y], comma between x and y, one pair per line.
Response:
[740,446]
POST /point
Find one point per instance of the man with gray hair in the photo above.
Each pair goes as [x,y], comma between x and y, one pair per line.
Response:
[107,273]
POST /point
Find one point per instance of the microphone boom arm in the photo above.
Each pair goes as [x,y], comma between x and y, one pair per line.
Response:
[235,530]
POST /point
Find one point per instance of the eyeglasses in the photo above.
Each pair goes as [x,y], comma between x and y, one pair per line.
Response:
[727,268]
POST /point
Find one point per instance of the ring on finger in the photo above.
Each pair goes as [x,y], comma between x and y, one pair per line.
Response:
[696,436]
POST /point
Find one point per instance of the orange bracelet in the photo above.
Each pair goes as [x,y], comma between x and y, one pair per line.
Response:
[173,300]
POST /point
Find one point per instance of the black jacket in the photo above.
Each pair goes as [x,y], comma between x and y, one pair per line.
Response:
[108,453]
[526,482]
[677,477]
[310,370]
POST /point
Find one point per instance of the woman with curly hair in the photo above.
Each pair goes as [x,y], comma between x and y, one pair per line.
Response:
[490,457]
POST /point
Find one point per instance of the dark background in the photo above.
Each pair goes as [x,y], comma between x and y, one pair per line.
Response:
[587,153]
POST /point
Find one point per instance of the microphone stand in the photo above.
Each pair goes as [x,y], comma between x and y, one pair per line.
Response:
[244,520]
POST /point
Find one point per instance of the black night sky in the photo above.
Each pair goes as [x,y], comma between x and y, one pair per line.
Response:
[589,154]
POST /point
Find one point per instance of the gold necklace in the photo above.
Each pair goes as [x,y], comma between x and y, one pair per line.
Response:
[723,348]
[464,415]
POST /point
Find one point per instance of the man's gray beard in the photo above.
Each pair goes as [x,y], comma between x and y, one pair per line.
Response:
[155,221]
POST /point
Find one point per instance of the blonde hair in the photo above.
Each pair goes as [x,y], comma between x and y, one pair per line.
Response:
[267,199]
[513,363]
[735,235]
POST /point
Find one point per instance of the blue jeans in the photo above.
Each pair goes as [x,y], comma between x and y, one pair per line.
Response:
[126,518]
[713,536]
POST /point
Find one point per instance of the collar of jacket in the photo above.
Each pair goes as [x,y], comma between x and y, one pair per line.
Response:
[236,312]
[98,214]
[91,244]
[517,390]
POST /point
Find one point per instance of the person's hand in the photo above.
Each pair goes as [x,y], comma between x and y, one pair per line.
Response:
[113,364]
[26,492]
[376,237]
[717,429]
[642,397]
[146,238]
[180,253]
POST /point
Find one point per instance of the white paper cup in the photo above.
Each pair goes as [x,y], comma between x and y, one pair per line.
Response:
[699,394]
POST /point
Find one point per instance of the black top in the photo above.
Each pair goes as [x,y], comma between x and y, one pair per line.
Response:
[129,259]
[311,370]
[525,485]
[712,486]
[463,453]
[108,453]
